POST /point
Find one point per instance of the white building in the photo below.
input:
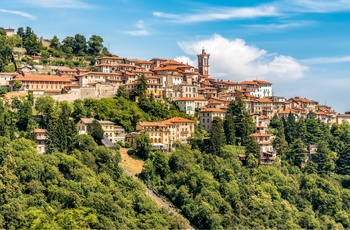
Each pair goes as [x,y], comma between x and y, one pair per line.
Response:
[40,138]
[207,116]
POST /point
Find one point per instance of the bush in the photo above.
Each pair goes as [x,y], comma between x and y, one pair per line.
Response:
[130,152]
[120,143]
[117,146]
[127,145]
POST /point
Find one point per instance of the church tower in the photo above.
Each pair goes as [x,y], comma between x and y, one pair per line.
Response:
[203,63]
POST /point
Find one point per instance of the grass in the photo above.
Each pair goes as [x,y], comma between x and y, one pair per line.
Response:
[131,162]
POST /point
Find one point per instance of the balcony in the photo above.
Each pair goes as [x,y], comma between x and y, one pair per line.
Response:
[184,132]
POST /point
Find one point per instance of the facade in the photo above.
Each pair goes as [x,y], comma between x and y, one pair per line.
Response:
[5,78]
[207,116]
[10,32]
[163,134]
[42,83]
[264,139]
[343,118]
[92,78]
[186,105]
[40,139]
[191,105]
[258,88]
[112,132]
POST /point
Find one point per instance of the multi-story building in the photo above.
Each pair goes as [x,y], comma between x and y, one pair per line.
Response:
[343,118]
[5,78]
[92,78]
[40,139]
[264,139]
[207,116]
[163,134]
[191,105]
[112,132]
[41,83]
[259,88]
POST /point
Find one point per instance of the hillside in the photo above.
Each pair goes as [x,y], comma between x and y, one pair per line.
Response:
[84,189]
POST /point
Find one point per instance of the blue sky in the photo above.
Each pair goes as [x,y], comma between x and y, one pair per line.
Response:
[302,46]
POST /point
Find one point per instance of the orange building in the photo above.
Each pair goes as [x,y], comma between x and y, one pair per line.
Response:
[41,83]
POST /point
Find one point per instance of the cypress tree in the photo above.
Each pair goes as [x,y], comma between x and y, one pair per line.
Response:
[217,136]
[323,158]
[343,162]
[230,130]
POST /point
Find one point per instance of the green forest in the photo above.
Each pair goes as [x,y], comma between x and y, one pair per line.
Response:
[215,190]
[77,183]
[72,51]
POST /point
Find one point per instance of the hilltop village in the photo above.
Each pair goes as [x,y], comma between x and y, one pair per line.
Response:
[191,88]
[115,132]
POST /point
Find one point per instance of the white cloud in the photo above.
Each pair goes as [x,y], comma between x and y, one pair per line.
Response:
[23,14]
[220,13]
[326,60]
[274,9]
[279,26]
[141,30]
[315,6]
[186,60]
[57,3]
[237,61]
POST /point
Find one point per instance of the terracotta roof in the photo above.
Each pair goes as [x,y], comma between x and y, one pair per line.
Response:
[263,99]
[191,99]
[180,120]
[87,120]
[174,68]
[116,65]
[287,111]
[29,77]
[153,124]
[261,82]
[172,62]
[208,110]
[39,131]
[260,135]
[248,83]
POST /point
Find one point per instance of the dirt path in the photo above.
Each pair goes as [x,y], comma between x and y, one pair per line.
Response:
[130,162]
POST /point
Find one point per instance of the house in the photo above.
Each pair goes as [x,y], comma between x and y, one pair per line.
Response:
[207,116]
[258,88]
[10,32]
[5,78]
[164,133]
[46,84]
[41,139]
[112,132]
[343,118]
[92,78]
[191,105]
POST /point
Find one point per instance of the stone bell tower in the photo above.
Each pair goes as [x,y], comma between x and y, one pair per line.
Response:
[203,63]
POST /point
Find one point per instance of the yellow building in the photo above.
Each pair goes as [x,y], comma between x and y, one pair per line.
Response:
[164,133]
[112,132]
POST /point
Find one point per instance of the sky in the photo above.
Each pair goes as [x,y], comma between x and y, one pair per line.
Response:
[301,46]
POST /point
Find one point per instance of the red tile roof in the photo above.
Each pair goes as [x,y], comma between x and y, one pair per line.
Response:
[51,78]
[180,120]
[209,110]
